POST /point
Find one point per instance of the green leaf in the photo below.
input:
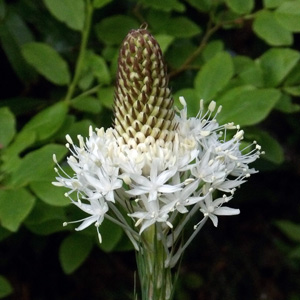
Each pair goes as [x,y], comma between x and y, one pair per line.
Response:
[5,287]
[86,80]
[110,52]
[101,3]
[248,71]
[48,121]
[180,27]
[13,34]
[70,12]
[293,78]
[15,205]
[290,229]
[276,64]
[80,128]
[47,62]
[157,19]
[112,30]
[273,150]
[214,76]
[87,103]
[166,5]
[270,30]
[37,165]
[292,90]
[98,67]
[111,235]
[73,251]
[241,6]
[288,15]
[272,3]
[179,52]
[106,96]
[49,193]
[164,41]
[252,76]
[211,49]
[10,156]
[241,63]
[247,106]
[45,219]
[203,5]
[7,126]
[286,105]
[23,140]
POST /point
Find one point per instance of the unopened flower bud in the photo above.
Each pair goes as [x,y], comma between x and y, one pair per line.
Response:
[143,105]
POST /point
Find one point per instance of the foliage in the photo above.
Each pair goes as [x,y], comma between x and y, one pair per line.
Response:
[61,59]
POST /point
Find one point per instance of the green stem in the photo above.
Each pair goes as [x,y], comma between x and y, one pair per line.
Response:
[80,60]
[210,31]
[156,280]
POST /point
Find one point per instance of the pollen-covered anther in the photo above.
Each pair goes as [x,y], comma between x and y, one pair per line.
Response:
[239,135]
[205,132]
[69,139]
[212,106]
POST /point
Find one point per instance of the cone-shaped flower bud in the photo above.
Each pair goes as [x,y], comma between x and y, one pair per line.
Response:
[143,105]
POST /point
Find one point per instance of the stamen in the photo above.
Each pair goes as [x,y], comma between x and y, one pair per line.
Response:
[212,106]
[69,139]
[182,101]
[54,158]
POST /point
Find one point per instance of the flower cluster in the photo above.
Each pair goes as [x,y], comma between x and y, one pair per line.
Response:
[157,166]
[156,180]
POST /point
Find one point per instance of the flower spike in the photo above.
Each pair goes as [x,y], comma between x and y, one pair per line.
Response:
[143,105]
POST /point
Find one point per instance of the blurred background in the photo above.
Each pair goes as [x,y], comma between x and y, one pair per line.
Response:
[58,61]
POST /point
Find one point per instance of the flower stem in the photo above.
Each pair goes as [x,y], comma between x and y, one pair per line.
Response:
[80,60]
[210,31]
[156,280]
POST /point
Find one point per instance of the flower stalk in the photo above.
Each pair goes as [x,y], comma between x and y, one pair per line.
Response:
[84,40]
[156,278]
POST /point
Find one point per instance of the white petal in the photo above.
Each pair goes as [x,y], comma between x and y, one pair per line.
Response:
[136,192]
[166,175]
[87,222]
[194,200]
[226,211]
[214,219]
[146,224]
[167,188]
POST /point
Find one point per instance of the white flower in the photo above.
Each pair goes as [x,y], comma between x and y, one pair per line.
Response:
[103,184]
[213,208]
[180,200]
[158,181]
[208,169]
[96,209]
[151,214]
